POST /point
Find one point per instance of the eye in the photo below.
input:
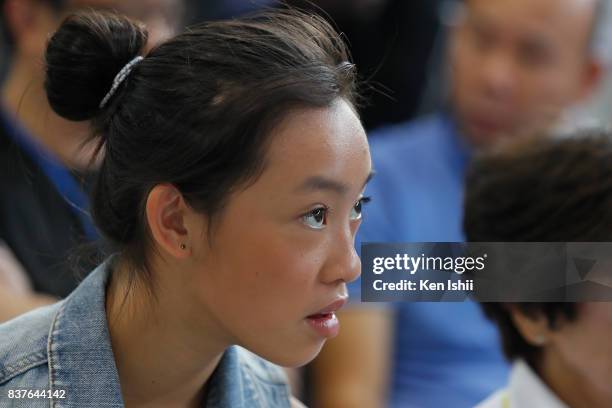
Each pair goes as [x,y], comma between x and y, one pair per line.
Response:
[316,219]
[358,207]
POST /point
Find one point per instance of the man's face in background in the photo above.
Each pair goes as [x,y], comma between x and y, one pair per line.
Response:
[516,65]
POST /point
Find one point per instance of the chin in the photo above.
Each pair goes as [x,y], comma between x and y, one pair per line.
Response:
[293,354]
[480,138]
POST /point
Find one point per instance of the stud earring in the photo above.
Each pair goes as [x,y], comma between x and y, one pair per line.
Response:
[183,246]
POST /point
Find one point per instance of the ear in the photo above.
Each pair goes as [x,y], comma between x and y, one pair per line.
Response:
[166,214]
[592,76]
[534,329]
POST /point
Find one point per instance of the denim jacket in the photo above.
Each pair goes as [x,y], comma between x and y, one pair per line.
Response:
[64,351]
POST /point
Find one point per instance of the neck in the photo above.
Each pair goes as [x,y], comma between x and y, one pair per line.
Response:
[23,95]
[161,356]
[571,386]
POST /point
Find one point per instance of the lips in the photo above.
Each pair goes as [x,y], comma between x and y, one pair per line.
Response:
[324,322]
[329,309]
[489,121]
[486,124]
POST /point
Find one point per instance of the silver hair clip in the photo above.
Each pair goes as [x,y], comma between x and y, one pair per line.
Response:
[119,78]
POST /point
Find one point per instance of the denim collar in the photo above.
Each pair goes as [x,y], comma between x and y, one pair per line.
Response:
[81,360]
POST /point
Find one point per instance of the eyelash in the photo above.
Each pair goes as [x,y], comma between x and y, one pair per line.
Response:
[325,211]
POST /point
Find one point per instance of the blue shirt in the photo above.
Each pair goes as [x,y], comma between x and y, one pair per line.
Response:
[445,354]
[65,350]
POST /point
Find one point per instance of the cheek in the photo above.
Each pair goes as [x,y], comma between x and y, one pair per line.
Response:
[463,72]
[551,88]
[587,346]
[267,276]
[274,271]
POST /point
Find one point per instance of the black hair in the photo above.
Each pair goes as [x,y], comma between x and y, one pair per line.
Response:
[542,189]
[196,112]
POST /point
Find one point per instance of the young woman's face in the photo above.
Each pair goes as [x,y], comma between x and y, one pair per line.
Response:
[283,249]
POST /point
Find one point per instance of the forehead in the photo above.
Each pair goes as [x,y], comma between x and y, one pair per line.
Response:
[328,131]
[558,19]
[329,140]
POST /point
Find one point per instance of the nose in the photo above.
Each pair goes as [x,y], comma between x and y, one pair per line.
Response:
[498,75]
[343,263]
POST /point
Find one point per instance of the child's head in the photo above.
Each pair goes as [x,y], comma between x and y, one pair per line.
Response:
[547,189]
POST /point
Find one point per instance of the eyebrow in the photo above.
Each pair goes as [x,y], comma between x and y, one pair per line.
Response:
[317,183]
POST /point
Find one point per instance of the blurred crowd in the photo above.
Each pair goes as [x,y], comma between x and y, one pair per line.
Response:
[441,81]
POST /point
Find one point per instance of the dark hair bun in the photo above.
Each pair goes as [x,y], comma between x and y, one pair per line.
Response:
[84,56]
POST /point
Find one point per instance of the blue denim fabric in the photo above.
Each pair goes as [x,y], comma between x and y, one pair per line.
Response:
[66,347]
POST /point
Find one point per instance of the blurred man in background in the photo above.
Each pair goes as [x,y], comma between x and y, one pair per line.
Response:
[43,165]
[516,66]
